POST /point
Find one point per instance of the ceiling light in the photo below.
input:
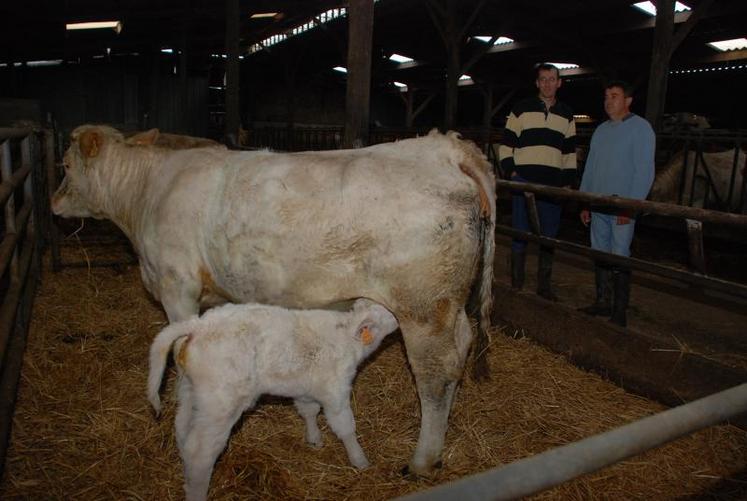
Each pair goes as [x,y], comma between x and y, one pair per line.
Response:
[263,14]
[340,69]
[97,25]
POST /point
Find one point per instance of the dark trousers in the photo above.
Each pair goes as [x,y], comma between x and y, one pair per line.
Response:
[547,211]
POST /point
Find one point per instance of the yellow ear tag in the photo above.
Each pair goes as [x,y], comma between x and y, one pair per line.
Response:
[366,336]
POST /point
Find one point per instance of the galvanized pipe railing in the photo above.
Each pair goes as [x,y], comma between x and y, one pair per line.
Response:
[558,465]
[20,263]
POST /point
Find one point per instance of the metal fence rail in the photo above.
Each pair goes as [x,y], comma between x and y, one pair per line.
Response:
[694,217]
[23,199]
[553,467]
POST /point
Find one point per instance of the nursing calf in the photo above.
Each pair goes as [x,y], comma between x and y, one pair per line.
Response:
[410,225]
[233,354]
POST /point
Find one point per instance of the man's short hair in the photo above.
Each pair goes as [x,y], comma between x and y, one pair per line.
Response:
[622,84]
[546,67]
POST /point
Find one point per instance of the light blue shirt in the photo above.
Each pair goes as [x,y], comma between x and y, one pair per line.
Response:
[621,159]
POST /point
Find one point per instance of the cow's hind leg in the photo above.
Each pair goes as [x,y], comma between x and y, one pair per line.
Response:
[436,349]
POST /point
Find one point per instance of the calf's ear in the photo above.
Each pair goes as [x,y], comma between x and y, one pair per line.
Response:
[146,138]
[365,333]
[90,143]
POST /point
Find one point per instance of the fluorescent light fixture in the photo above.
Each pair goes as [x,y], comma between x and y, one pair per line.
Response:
[498,41]
[398,58]
[733,44]
[97,25]
[564,66]
[341,69]
[167,51]
[401,86]
[50,62]
[650,9]
[465,77]
[260,15]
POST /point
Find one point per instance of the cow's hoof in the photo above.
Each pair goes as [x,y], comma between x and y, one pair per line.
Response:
[408,474]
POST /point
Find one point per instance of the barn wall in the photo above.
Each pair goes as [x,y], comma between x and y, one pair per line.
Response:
[113,94]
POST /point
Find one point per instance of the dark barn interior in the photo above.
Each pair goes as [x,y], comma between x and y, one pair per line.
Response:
[253,75]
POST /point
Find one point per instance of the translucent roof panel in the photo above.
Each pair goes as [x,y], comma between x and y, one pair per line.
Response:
[498,41]
[399,58]
[650,9]
[733,44]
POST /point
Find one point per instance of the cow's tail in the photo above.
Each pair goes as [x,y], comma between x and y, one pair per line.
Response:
[159,352]
[479,169]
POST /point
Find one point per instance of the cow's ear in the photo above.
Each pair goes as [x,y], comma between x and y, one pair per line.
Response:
[90,143]
[146,138]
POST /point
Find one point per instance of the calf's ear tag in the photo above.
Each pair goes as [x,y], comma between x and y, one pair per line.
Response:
[366,336]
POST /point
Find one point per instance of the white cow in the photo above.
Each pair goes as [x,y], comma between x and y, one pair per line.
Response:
[233,354]
[409,225]
[713,178]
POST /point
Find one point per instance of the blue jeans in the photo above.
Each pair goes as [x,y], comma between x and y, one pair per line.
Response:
[547,211]
[608,236]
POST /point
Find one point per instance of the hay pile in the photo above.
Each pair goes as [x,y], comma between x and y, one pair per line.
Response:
[83,429]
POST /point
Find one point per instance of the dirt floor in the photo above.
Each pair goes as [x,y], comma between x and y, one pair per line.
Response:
[83,428]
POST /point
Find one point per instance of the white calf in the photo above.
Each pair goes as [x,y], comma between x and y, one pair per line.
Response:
[235,353]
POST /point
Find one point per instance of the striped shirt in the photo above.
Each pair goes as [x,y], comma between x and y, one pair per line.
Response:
[540,144]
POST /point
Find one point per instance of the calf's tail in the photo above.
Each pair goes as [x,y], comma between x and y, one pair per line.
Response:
[159,352]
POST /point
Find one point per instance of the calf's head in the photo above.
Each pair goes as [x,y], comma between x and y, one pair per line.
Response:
[372,324]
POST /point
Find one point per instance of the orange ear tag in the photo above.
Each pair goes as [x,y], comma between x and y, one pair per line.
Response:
[366,336]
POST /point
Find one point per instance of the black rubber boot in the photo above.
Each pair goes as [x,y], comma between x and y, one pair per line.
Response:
[544,273]
[602,305]
[518,258]
[621,279]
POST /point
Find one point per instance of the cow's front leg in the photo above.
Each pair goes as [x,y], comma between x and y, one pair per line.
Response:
[436,351]
[180,297]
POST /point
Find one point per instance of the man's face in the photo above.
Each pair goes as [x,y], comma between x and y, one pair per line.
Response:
[615,103]
[548,82]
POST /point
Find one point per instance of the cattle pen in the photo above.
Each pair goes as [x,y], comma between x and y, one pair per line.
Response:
[83,429]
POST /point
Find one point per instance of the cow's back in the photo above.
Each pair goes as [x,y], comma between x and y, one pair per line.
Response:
[308,229]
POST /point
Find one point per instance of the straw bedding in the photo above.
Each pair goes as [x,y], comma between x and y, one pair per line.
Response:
[83,428]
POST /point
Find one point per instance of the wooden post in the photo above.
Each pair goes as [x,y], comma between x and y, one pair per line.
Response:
[232,70]
[660,57]
[184,118]
[358,96]
[409,98]
[155,75]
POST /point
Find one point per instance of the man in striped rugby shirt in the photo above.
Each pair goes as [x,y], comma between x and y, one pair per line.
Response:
[539,146]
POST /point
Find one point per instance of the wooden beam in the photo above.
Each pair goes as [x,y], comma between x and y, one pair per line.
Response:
[358,96]
[732,55]
[232,70]
[686,28]
[662,49]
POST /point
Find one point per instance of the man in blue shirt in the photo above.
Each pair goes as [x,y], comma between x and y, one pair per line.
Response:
[620,163]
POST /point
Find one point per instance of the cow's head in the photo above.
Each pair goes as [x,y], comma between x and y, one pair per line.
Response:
[83,161]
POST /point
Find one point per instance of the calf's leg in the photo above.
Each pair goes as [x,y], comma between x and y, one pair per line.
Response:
[309,410]
[341,420]
[206,438]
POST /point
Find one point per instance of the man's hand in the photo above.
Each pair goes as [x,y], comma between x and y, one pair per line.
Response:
[585,217]
[623,219]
